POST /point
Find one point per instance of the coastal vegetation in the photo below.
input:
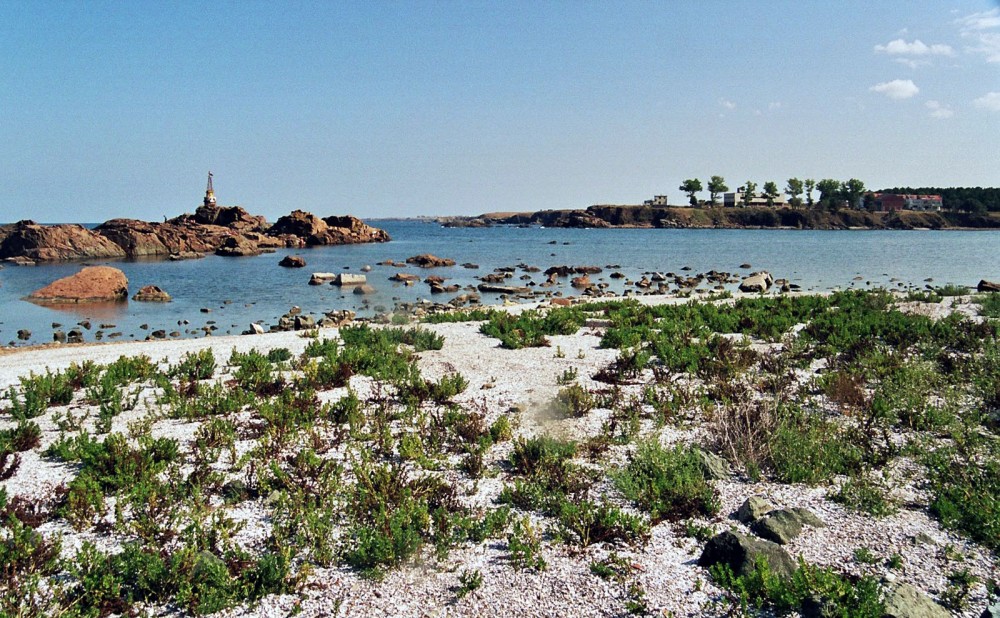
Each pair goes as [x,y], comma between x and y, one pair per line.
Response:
[207,482]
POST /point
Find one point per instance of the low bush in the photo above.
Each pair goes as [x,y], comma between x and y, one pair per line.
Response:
[667,483]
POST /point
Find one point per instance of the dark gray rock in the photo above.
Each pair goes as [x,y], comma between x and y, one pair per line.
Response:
[24,334]
[714,468]
[783,525]
[741,552]
[993,611]
[753,508]
[779,526]
[905,601]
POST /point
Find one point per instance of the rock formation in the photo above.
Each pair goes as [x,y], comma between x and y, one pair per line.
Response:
[45,243]
[211,228]
[427,260]
[91,284]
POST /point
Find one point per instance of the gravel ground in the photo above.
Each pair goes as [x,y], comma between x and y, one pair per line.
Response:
[525,381]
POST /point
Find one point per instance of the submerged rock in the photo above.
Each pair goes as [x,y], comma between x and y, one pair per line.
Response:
[151,294]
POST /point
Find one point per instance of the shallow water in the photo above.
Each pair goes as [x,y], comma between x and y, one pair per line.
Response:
[237,291]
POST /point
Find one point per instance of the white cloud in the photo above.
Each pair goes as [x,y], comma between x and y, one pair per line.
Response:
[989,101]
[896,89]
[899,47]
[980,21]
[727,104]
[978,27]
[987,44]
[939,110]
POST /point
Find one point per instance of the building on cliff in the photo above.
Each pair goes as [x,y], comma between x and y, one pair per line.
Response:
[658,200]
[731,200]
[893,202]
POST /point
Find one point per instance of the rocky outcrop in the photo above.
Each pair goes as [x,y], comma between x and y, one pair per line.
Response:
[988,286]
[151,294]
[345,230]
[208,230]
[91,284]
[47,243]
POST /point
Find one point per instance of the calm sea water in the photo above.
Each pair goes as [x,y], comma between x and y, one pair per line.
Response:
[237,291]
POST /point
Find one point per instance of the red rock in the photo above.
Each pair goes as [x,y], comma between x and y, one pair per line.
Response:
[238,246]
[292,261]
[28,239]
[427,260]
[91,284]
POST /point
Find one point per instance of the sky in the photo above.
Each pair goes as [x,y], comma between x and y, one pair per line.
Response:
[405,109]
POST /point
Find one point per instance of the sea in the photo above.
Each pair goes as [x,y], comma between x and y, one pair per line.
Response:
[222,296]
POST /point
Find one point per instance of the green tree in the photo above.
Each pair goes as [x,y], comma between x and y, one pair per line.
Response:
[794,190]
[852,191]
[770,192]
[716,185]
[809,185]
[748,192]
[691,186]
[830,193]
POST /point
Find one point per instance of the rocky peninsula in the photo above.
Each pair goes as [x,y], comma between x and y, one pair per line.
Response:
[225,230]
[646,216]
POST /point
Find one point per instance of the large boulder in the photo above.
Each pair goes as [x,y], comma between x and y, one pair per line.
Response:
[757,282]
[988,286]
[427,260]
[742,552]
[55,242]
[91,284]
[905,601]
[292,261]
[151,294]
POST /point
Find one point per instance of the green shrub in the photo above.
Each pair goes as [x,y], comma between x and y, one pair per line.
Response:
[573,401]
[827,592]
[668,483]
[585,523]
[195,366]
[865,494]
[38,393]
[525,546]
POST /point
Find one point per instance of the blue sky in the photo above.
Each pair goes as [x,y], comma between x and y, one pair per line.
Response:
[430,108]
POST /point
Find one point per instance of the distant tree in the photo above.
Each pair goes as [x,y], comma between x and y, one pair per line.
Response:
[809,185]
[770,192]
[852,190]
[691,186]
[830,193]
[748,191]
[794,190]
[716,185]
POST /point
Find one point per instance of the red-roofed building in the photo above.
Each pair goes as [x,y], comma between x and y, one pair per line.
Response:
[892,202]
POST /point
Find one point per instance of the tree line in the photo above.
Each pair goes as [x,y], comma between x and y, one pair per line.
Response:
[833,194]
